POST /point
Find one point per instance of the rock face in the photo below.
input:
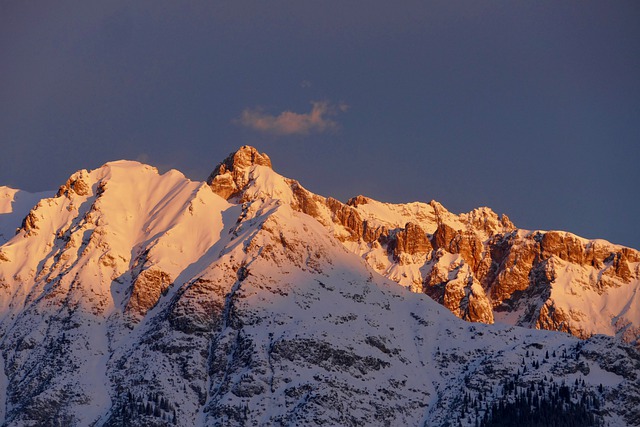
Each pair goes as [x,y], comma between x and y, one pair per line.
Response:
[230,176]
[411,240]
[466,243]
[453,285]
[75,184]
[554,279]
[149,300]
[483,269]
[146,290]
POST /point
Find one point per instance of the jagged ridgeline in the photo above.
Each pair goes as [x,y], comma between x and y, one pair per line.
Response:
[478,265]
[138,299]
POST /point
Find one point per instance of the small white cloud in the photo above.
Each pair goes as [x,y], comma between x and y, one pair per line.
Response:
[305,84]
[289,123]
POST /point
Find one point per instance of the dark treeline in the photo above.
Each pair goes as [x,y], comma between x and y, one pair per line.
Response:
[541,404]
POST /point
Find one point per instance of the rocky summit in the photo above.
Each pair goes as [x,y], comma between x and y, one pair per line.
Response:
[133,298]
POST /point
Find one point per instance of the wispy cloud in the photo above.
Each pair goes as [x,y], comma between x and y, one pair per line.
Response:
[318,120]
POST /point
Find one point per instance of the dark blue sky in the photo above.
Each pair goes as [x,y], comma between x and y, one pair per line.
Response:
[531,108]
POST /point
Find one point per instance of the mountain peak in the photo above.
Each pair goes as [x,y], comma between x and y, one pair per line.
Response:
[245,156]
[230,176]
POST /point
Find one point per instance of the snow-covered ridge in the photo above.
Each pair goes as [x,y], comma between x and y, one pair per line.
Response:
[135,298]
[477,264]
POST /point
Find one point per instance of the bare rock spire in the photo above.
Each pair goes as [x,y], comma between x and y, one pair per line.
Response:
[230,176]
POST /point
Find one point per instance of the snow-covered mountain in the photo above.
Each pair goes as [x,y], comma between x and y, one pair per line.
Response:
[134,298]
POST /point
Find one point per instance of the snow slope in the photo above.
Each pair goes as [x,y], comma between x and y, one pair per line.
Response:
[14,206]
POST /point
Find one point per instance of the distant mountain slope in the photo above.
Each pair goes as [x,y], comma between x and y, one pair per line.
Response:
[14,206]
[139,299]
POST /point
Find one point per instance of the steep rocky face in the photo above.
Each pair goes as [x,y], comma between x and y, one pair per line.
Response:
[451,283]
[545,280]
[465,243]
[350,219]
[463,297]
[562,245]
[411,240]
[512,259]
[146,290]
[531,274]
[231,176]
[553,280]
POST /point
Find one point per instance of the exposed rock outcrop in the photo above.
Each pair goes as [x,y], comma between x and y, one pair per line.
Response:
[487,221]
[565,246]
[411,240]
[555,318]
[229,177]
[358,200]
[75,184]
[454,286]
[465,243]
[346,216]
[146,291]
[513,260]
[30,223]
